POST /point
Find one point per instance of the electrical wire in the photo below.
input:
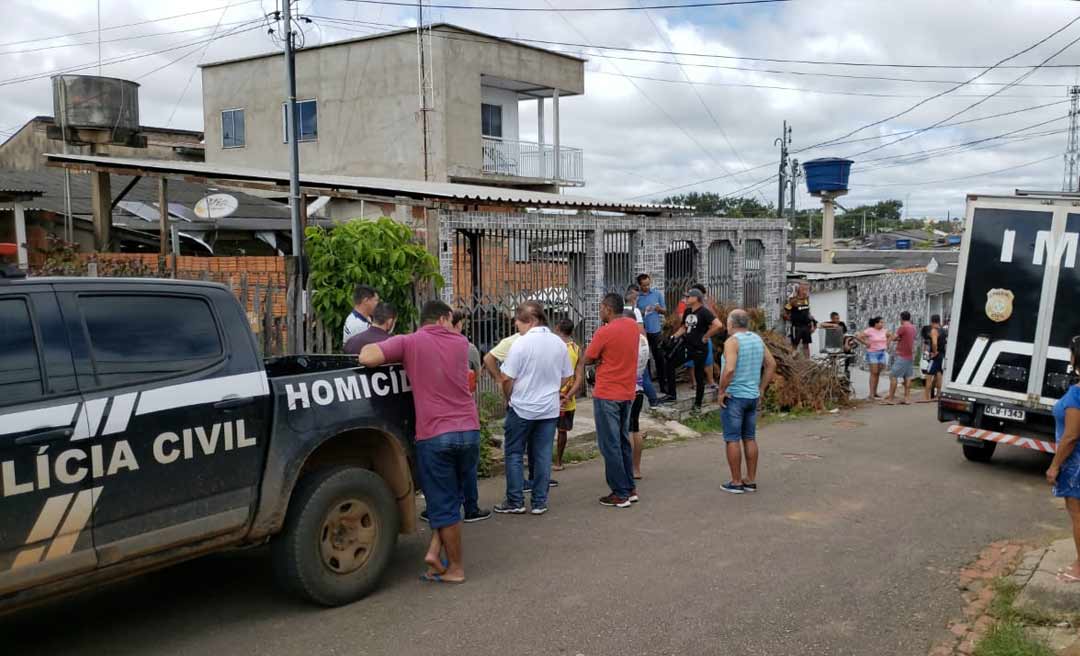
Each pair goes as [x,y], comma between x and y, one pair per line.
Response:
[692,5]
[925,183]
[117,40]
[951,89]
[117,27]
[123,59]
[191,75]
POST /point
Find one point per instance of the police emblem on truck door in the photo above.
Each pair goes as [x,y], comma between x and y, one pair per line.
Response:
[999,304]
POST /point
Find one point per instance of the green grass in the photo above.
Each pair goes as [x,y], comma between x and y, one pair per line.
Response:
[1004,607]
[578,455]
[1010,638]
[705,423]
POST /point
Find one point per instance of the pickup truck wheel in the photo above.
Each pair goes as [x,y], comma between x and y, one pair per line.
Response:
[979,453]
[338,537]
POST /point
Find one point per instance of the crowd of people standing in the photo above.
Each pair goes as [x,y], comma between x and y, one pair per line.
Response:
[540,371]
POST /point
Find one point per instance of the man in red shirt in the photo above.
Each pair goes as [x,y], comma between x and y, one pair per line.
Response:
[903,366]
[447,427]
[614,351]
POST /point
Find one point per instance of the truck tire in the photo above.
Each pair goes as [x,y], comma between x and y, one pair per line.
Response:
[339,535]
[979,453]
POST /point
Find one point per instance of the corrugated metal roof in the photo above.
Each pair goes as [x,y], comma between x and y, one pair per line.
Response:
[381,187]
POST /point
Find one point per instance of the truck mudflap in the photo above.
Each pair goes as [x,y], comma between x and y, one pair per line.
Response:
[969,433]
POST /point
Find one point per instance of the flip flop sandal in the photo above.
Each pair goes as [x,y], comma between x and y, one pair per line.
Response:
[1065,577]
[436,578]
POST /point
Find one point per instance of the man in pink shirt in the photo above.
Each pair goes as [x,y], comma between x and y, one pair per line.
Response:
[903,366]
[447,427]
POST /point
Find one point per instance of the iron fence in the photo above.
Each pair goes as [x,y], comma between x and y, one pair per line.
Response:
[619,252]
[753,273]
[720,272]
[680,270]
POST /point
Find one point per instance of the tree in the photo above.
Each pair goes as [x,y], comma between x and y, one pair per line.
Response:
[383,254]
[713,204]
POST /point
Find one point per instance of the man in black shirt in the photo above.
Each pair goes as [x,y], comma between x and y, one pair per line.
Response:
[381,328]
[698,327]
[803,325]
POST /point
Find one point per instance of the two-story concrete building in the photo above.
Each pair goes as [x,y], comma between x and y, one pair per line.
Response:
[359,110]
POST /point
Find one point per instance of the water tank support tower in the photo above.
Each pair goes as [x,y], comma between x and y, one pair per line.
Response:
[827,179]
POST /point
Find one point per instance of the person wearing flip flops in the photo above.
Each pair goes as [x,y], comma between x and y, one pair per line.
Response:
[1064,471]
[447,427]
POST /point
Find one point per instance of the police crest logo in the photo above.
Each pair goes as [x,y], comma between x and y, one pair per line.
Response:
[999,304]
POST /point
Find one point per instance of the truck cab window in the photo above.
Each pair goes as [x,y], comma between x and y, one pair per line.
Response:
[20,369]
[138,338]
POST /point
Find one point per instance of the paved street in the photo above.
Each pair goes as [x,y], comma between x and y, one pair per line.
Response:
[850,547]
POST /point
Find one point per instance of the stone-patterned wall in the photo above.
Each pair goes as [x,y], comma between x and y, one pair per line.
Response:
[885,295]
[652,237]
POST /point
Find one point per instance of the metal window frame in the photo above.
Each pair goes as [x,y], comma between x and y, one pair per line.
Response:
[285,120]
[482,132]
[243,141]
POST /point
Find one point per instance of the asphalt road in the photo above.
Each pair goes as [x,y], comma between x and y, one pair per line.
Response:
[851,546]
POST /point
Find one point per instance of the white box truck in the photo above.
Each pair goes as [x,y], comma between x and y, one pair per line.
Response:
[1015,310]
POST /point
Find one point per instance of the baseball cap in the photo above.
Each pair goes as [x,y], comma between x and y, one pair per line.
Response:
[695,293]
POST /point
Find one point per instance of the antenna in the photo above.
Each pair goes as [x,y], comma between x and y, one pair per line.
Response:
[1072,149]
[425,82]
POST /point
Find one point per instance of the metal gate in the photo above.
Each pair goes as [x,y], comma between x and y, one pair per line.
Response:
[494,271]
[721,272]
[753,273]
[619,254]
[680,270]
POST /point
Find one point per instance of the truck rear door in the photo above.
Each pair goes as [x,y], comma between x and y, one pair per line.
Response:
[181,391]
[47,497]
[1004,340]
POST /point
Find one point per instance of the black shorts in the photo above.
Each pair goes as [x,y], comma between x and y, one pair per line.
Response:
[566,420]
[635,412]
[936,366]
[801,335]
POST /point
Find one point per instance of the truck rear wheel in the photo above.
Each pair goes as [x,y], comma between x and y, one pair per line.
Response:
[979,452]
[339,535]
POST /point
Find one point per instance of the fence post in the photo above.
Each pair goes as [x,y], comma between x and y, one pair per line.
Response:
[268,320]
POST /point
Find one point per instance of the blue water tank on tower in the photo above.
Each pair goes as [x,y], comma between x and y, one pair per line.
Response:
[828,174]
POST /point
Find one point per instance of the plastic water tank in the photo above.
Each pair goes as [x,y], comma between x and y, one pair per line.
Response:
[827,174]
[105,105]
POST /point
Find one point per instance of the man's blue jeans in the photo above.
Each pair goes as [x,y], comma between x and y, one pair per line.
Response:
[445,462]
[536,435]
[613,438]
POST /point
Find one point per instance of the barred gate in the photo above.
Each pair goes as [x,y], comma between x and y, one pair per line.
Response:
[494,271]
[619,252]
[680,270]
[753,273]
[720,272]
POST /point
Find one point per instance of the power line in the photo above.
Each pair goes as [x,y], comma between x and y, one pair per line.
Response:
[923,183]
[704,105]
[117,27]
[845,76]
[951,89]
[978,102]
[127,58]
[692,5]
[117,40]
[191,75]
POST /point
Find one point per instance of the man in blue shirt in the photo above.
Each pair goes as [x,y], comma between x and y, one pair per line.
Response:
[651,304]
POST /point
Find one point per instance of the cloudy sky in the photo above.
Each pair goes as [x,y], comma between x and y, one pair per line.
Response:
[650,122]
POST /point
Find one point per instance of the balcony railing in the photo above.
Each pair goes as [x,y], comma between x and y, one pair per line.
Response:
[526,159]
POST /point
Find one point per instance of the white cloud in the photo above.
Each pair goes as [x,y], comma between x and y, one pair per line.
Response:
[631,147]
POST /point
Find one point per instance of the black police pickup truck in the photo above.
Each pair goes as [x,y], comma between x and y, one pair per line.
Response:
[139,427]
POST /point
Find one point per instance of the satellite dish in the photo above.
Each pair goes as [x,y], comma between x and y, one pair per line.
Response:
[216,206]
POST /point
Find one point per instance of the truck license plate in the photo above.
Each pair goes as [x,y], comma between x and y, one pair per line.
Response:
[1005,413]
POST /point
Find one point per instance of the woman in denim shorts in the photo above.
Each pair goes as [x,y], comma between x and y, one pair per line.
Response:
[1064,471]
[876,339]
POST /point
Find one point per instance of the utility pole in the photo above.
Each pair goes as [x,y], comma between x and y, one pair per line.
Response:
[1072,148]
[796,173]
[422,73]
[297,338]
[864,223]
[783,141]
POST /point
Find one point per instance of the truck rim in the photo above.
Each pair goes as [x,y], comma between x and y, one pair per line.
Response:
[349,533]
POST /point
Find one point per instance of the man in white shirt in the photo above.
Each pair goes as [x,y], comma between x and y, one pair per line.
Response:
[364,301]
[534,372]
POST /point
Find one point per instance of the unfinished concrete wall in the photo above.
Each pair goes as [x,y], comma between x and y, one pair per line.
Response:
[25,149]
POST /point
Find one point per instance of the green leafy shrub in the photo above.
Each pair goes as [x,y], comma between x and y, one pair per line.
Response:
[383,254]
